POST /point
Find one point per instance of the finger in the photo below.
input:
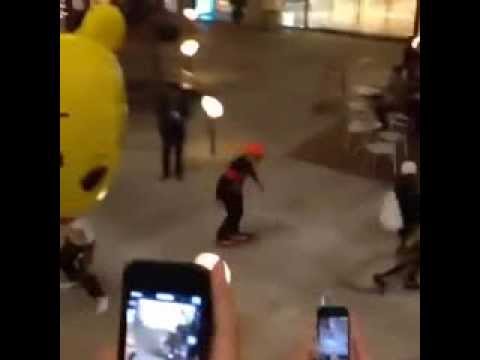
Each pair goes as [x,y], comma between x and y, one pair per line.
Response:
[106,353]
[358,344]
[225,343]
[305,349]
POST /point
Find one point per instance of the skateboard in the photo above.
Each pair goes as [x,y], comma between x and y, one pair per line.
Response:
[239,239]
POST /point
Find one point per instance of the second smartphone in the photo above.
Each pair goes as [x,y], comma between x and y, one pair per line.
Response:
[166,312]
[333,333]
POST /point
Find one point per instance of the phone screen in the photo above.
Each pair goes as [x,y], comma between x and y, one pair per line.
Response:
[333,334]
[162,326]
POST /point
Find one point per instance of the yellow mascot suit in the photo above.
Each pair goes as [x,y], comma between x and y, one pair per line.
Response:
[93,109]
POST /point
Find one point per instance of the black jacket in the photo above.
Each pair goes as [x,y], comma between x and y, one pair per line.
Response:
[171,120]
[408,196]
[228,186]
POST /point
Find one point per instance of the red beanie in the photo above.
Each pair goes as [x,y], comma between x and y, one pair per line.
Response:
[255,150]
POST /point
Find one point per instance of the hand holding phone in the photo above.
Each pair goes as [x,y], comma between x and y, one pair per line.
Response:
[333,333]
[170,311]
[166,312]
[308,348]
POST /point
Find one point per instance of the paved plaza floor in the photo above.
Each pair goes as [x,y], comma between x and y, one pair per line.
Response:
[317,227]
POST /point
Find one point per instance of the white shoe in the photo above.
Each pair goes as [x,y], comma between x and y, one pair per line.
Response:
[102,304]
[67,285]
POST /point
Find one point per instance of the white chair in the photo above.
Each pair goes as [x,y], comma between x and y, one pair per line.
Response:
[366,90]
[360,120]
[398,120]
[380,148]
[357,105]
[396,138]
[360,126]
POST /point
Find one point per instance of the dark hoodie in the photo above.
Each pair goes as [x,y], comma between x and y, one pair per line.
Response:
[408,196]
[231,182]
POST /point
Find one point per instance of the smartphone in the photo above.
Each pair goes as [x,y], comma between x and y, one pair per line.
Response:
[333,333]
[166,312]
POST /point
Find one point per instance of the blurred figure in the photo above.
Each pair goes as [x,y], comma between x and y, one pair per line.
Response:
[230,193]
[272,13]
[411,62]
[238,10]
[76,10]
[150,343]
[408,196]
[76,257]
[173,112]
[395,96]
[408,264]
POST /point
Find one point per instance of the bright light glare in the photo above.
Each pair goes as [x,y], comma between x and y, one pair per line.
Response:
[212,107]
[416,42]
[165,297]
[190,14]
[208,261]
[191,340]
[189,47]
[102,195]
[164,315]
[288,18]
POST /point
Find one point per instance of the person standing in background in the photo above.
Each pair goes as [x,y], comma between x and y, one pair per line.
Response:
[230,193]
[238,10]
[395,96]
[173,111]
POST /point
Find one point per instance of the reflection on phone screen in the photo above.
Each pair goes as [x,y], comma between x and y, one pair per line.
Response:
[162,326]
[333,338]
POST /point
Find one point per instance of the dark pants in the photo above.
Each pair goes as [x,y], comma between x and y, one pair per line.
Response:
[411,268]
[382,109]
[405,232]
[237,14]
[414,114]
[74,263]
[231,225]
[177,148]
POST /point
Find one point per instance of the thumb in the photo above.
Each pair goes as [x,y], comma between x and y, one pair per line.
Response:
[305,348]
[225,342]
[358,344]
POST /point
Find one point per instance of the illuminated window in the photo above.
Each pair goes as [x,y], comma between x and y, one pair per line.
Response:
[383,17]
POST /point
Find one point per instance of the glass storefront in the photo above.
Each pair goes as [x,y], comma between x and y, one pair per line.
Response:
[381,17]
[207,10]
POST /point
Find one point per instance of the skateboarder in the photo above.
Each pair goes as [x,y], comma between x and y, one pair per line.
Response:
[230,193]
[76,256]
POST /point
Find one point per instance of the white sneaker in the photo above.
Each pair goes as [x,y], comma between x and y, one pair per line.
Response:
[102,304]
[67,285]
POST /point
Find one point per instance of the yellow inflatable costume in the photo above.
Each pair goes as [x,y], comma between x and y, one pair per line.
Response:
[93,109]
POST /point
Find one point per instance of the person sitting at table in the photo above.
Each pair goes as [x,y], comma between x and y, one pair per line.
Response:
[394,97]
